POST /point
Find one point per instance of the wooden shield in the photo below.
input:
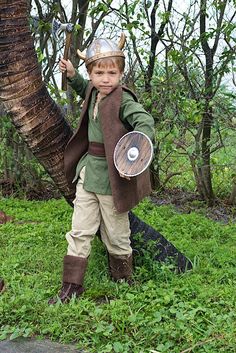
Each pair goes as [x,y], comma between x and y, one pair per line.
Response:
[133,153]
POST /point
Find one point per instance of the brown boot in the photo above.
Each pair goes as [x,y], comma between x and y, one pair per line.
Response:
[121,267]
[73,277]
[2,286]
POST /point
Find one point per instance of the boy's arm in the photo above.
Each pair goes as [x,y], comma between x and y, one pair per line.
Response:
[134,113]
[74,79]
[79,84]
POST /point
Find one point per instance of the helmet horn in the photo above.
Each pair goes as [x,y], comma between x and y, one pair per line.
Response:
[81,54]
[121,42]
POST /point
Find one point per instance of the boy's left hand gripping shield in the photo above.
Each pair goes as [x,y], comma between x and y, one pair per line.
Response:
[133,153]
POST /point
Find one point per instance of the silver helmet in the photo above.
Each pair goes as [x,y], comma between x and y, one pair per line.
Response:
[102,48]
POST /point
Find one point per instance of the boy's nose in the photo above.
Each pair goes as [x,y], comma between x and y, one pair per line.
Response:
[105,78]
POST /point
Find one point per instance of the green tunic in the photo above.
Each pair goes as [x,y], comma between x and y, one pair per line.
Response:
[131,113]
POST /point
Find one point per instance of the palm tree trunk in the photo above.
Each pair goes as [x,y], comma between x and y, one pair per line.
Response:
[35,115]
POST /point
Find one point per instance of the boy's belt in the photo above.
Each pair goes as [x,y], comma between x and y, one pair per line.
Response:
[96,149]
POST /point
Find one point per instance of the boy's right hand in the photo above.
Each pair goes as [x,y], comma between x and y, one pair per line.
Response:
[67,66]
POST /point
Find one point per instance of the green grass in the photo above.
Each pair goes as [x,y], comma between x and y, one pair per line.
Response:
[162,312]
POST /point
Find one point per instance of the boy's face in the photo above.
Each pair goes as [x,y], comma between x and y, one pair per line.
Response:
[105,78]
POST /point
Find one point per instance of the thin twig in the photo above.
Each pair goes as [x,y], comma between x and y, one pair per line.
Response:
[201,343]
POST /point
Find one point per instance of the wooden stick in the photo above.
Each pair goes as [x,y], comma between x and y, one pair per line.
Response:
[65,56]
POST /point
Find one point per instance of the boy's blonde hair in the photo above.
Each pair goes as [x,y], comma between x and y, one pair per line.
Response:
[107,62]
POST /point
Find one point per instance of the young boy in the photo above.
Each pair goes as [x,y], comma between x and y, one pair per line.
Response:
[103,197]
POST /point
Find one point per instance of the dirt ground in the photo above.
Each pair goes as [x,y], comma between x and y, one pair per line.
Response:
[186,202]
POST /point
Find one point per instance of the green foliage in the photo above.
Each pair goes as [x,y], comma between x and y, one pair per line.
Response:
[162,312]
[40,55]
[178,119]
[20,172]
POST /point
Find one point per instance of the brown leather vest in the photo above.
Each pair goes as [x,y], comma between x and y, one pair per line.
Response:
[126,193]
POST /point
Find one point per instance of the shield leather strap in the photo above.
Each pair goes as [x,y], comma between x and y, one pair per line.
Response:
[133,153]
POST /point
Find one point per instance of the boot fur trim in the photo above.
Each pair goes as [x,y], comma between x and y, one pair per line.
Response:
[74,269]
[120,266]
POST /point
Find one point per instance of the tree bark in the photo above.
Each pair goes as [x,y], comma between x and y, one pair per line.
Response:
[232,198]
[155,38]
[24,95]
[208,115]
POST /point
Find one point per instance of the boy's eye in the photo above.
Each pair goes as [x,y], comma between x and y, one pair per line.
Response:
[102,72]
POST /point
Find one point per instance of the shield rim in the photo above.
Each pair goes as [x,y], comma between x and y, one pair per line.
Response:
[151,154]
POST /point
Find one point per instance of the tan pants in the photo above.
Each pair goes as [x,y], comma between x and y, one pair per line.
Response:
[92,211]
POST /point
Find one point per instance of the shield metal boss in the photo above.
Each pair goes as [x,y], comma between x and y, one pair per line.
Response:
[133,153]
